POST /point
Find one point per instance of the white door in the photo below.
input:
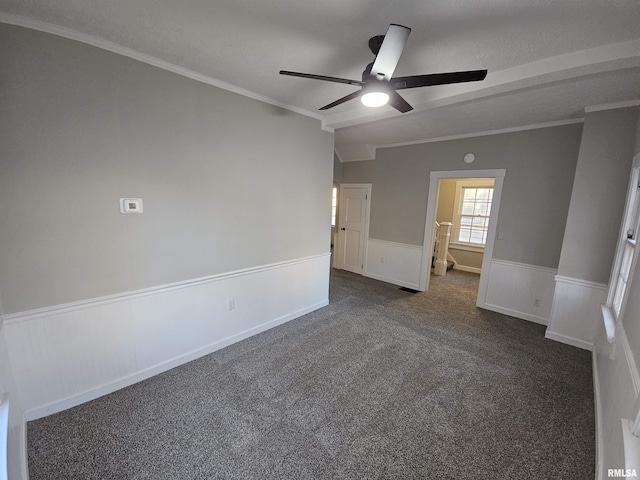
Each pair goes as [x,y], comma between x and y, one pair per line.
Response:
[353,226]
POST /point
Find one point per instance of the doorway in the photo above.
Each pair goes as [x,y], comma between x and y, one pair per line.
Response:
[353,226]
[434,184]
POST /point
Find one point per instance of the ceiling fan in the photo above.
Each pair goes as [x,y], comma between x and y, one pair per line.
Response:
[378,84]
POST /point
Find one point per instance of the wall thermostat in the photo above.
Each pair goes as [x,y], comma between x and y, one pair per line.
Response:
[469,157]
[130,205]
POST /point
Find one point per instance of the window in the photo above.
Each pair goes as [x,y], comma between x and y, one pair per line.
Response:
[626,250]
[334,205]
[471,212]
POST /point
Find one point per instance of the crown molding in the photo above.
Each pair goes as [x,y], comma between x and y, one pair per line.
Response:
[611,106]
[103,44]
[486,133]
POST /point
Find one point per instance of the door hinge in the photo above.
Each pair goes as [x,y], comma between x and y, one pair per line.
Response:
[366,196]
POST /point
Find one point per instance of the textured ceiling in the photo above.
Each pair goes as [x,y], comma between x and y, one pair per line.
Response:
[547,59]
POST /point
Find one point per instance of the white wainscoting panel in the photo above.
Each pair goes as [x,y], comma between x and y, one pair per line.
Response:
[392,262]
[520,290]
[66,355]
[576,311]
[615,389]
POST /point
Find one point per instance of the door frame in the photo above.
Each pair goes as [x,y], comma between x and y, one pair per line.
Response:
[432,202]
[337,254]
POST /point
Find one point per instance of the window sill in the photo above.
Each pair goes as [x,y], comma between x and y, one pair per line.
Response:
[468,248]
[609,324]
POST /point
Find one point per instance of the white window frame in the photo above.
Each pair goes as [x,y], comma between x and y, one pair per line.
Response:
[455,229]
[623,268]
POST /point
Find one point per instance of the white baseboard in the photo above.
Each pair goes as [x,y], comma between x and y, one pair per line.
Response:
[598,414]
[576,311]
[70,354]
[575,342]
[464,268]
[519,290]
[17,461]
[394,281]
[615,377]
[393,262]
[22,442]
[516,314]
[117,384]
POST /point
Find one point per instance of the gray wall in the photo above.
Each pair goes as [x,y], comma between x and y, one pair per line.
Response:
[540,165]
[227,182]
[446,200]
[337,170]
[599,192]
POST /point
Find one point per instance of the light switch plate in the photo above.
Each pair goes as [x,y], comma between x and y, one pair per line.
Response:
[130,205]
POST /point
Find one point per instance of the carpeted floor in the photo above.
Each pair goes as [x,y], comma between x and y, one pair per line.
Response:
[380,384]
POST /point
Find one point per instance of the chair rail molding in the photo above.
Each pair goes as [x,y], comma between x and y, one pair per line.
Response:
[393,262]
[520,290]
[576,311]
[69,354]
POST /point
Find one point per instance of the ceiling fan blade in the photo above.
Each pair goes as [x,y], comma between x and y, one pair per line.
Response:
[390,51]
[351,96]
[437,79]
[399,103]
[322,77]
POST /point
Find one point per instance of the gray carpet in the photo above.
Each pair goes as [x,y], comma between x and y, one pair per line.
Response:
[380,384]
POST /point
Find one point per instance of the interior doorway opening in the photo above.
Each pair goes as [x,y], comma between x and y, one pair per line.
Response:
[485,226]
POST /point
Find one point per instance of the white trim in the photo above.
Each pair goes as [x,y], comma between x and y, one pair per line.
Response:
[4,434]
[28,315]
[106,388]
[22,438]
[631,363]
[72,34]
[67,358]
[396,244]
[401,283]
[611,106]
[513,289]
[515,313]
[466,247]
[576,311]
[446,138]
[20,462]
[338,248]
[575,342]
[464,268]
[598,414]
[526,266]
[400,266]
[579,282]
[629,205]
[499,131]
[609,323]
[461,184]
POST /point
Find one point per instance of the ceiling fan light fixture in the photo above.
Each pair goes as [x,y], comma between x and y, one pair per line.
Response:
[379,86]
[374,99]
